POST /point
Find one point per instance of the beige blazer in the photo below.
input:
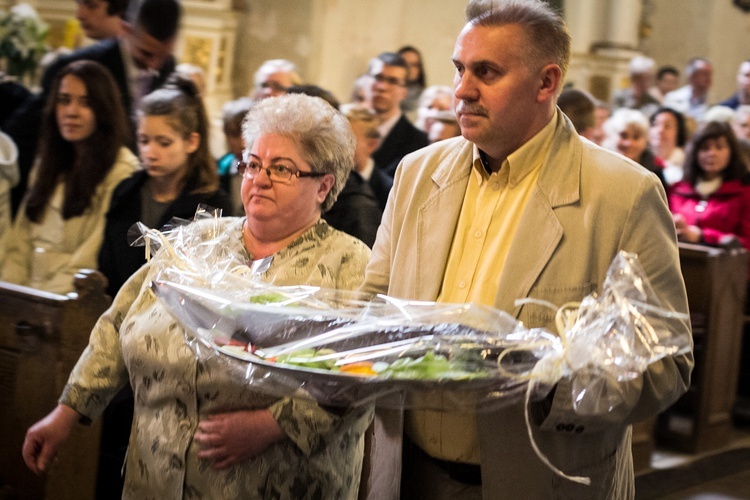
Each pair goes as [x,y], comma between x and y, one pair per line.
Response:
[587,206]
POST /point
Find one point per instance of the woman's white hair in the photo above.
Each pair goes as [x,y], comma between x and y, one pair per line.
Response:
[322,134]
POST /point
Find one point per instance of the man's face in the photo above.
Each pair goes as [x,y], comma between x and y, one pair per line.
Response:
[94,19]
[496,93]
[148,52]
[743,78]
[668,82]
[387,87]
[700,79]
[275,84]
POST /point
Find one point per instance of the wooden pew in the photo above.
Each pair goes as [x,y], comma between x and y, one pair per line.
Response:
[716,281]
[41,337]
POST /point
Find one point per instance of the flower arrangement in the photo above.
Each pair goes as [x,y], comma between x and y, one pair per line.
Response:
[22,37]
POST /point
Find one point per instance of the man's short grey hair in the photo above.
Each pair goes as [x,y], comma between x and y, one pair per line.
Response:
[322,134]
[548,37]
[693,64]
[276,66]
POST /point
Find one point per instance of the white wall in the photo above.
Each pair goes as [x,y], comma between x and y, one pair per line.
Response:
[717,30]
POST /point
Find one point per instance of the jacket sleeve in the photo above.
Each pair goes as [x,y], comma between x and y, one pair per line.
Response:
[649,233]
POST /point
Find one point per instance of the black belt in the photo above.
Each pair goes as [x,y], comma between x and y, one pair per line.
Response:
[458,471]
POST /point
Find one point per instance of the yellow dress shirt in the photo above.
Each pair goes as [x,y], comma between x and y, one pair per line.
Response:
[491,209]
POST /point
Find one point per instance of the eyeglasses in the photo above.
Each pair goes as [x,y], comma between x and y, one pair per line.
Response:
[275,172]
[390,80]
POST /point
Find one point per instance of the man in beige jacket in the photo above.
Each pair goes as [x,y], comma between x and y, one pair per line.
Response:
[521,206]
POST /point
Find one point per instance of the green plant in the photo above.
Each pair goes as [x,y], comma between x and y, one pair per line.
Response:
[22,37]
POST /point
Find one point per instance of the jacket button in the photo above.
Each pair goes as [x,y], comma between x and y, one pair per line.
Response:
[579,429]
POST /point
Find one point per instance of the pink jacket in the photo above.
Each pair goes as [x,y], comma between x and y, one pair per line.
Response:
[726,212]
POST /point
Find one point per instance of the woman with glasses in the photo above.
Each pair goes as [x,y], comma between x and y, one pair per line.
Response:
[178,174]
[82,157]
[198,432]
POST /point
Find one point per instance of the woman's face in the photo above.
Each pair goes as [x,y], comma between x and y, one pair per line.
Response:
[164,152]
[291,204]
[663,133]
[713,156]
[75,118]
[631,142]
[415,65]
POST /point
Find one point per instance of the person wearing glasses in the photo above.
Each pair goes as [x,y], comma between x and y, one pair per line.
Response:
[387,88]
[198,430]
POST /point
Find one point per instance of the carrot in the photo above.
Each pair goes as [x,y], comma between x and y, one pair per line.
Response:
[359,368]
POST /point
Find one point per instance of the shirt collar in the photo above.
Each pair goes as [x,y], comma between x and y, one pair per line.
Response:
[522,161]
[385,128]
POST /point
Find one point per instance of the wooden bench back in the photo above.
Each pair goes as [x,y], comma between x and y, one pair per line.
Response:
[41,337]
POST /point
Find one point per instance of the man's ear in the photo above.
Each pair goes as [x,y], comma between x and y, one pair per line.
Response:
[550,81]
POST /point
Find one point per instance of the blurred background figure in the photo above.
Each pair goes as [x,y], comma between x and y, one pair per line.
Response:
[9,177]
[667,80]
[627,133]
[435,98]
[359,90]
[692,99]
[601,115]
[273,77]
[741,127]
[101,19]
[232,116]
[742,96]
[667,136]
[444,126]
[580,107]
[315,91]
[415,79]
[357,210]
[195,73]
[398,137]
[712,203]
[642,74]
[82,157]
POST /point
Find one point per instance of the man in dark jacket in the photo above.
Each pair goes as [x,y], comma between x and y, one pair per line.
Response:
[386,90]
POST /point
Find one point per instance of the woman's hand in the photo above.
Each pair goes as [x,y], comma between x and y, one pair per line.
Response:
[44,438]
[686,232]
[230,438]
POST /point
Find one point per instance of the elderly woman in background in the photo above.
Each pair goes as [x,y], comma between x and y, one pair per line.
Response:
[626,132]
[667,137]
[198,432]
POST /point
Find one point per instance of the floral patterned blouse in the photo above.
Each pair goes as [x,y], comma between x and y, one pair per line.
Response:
[136,340]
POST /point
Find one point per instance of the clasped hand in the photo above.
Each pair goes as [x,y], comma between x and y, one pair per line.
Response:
[229,438]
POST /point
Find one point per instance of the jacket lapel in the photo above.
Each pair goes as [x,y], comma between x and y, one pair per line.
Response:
[437,218]
[539,231]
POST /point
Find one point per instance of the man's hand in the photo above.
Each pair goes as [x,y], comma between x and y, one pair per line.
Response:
[230,438]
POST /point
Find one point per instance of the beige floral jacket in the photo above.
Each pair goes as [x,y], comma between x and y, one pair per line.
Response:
[138,341]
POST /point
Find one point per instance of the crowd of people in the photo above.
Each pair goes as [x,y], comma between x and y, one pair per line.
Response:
[503,186]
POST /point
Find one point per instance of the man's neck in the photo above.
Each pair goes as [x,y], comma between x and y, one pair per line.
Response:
[387,115]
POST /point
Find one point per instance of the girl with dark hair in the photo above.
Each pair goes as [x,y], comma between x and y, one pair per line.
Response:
[711,204]
[178,174]
[82,157]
